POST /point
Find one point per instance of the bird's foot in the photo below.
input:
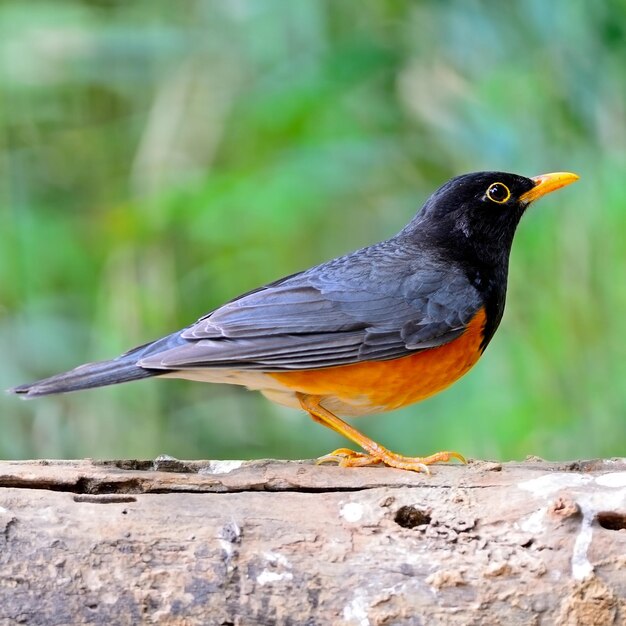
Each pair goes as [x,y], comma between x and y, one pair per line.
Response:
[345,457]
[374,452]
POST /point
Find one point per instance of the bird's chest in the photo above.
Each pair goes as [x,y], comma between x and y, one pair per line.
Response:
[375,386]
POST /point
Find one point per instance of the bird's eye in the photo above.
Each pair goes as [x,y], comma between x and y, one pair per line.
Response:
[498,192]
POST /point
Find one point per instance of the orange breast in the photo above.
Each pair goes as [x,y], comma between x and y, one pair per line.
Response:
[395,383]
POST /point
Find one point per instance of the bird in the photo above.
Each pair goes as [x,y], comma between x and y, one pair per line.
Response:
[374,330]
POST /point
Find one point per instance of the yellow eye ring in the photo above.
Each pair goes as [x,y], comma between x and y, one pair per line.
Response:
[498,193]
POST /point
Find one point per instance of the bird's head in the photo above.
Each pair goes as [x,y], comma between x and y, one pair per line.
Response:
[478,213]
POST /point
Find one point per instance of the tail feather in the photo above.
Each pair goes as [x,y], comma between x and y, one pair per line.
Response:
[84,377]
[102,373]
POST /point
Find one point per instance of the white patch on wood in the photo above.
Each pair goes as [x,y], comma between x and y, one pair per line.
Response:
[276,559]
[162,458]
[266,577]
[229,536]
[221,467]
[270,576]
[227,546]
[581,565]
[534,522]
[590,502]
[352,512]
[615,479]
[549,484]
[355,612]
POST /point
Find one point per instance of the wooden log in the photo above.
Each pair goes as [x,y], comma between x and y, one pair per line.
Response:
[274,542]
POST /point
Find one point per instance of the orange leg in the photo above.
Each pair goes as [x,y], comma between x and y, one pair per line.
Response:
[375,452]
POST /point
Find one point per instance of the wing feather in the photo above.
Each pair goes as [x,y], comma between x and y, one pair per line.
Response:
[378,303]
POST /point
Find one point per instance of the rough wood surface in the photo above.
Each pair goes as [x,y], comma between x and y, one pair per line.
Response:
[269,542]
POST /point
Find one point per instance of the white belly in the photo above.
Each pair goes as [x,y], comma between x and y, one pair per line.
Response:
[272,389]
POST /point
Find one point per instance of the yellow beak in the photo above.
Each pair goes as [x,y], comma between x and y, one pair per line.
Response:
[547,183]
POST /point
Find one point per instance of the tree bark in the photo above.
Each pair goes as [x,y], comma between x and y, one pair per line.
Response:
[274,542]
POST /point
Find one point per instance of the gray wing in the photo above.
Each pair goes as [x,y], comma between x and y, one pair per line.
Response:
[379,303]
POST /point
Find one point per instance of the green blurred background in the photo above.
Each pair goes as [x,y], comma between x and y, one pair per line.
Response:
[158,158]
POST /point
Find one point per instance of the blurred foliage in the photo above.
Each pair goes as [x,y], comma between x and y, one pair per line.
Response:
[158,158]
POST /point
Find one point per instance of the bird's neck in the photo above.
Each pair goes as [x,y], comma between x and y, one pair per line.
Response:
[491,282]
[486,263]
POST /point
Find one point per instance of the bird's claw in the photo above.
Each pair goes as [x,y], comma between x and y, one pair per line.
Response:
[344,457]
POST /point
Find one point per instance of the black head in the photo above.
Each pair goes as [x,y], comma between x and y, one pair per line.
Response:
[477,214]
